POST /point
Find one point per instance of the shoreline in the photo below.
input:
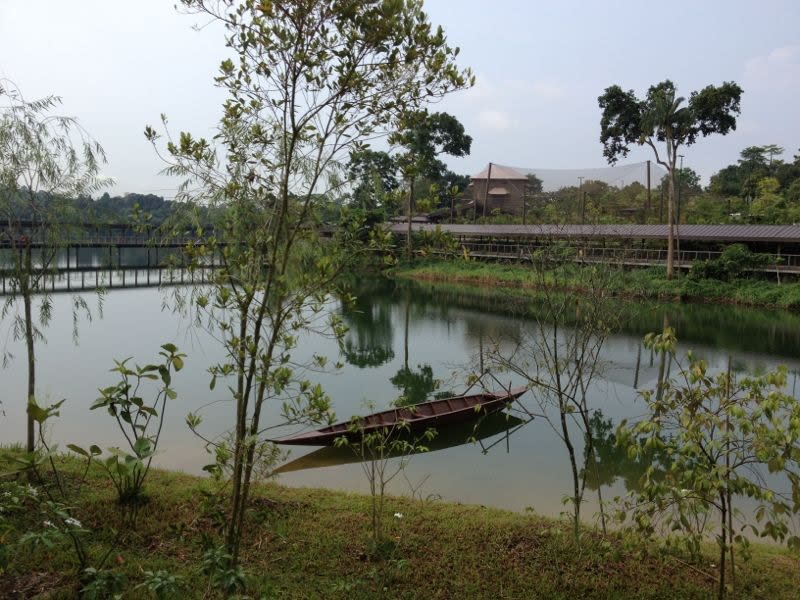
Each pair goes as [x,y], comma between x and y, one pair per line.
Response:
[644,284]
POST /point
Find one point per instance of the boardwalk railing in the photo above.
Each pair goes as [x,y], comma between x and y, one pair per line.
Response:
[105,278]
[784,263]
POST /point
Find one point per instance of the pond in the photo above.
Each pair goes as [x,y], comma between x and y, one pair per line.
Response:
[404,338]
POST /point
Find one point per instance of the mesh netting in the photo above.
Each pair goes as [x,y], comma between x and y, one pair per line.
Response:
[554,179]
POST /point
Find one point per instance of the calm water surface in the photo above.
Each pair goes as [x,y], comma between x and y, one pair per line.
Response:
[403,338]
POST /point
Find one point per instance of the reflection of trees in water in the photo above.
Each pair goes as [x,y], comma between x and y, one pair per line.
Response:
[611,462]
[369,340]
[415,386]
[747,329]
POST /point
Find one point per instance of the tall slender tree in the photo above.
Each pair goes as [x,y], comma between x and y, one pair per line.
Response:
[423,136]
[45,159]
[310,81]
[664,119]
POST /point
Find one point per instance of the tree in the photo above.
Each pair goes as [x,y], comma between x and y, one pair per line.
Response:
[662,117]
[533,188]
[768,204]
[772,150]
[44,160]
[688,180]
[753,157]
[726,182]
[424,136]
[715,436]
[374,173]
[309,83]
[559,357]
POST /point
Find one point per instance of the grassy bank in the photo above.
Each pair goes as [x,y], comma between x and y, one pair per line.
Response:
[306,543]
[649,283]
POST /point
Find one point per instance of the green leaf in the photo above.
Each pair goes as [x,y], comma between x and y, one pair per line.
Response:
[165,376]
[36,412]
[177,362]
[142,447]
[78,450]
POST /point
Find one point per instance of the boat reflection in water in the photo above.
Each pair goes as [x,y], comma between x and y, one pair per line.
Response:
[447,437]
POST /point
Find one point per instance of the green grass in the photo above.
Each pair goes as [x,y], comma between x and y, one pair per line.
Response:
[650,283]
[307,543]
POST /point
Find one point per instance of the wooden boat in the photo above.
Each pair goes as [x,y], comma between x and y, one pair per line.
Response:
[450,436]
[416,417]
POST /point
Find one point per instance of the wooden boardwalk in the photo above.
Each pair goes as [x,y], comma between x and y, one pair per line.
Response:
[630,257]
[90,279]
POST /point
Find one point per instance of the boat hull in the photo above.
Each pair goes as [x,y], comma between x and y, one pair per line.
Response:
[412,419]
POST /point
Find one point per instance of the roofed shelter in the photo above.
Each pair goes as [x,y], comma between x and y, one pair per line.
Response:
[500,188]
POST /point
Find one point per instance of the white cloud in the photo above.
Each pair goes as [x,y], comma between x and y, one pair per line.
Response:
[778,70]
[496,120]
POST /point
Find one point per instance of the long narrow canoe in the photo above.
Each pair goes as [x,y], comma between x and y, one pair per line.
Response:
[416,417]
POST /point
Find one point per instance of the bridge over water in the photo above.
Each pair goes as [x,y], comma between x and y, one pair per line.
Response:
[92,256]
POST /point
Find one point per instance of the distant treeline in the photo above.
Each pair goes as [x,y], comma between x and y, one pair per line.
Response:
[129,208]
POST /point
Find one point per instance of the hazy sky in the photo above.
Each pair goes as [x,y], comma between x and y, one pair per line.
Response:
[539,65]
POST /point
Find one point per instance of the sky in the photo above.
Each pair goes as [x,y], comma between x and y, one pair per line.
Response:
[540,66]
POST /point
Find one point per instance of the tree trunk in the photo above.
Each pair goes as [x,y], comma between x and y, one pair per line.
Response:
[723,547]
[409,253]
[671,223]
[29,341]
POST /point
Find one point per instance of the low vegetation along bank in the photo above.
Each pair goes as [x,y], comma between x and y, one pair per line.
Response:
[649,283]
[305,543]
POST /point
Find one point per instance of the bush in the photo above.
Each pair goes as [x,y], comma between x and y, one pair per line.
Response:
[735,262]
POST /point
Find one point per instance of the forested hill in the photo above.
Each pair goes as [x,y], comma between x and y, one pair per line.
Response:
[121,209]
[104,209]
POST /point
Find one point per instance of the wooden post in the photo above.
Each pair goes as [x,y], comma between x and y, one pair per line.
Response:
[486,191]
[648,187]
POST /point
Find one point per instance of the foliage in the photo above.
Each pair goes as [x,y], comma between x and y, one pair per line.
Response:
[660,118]
[384,453]
[103,584]
[717,436]
[123,401]
[423,136]
[40,154]
[308,85]
[560,357]
[162,584]
[220,568]
[41,517]
[735,262]
[436,241]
